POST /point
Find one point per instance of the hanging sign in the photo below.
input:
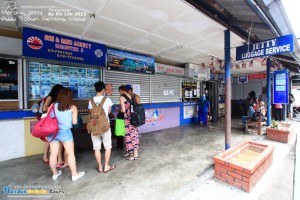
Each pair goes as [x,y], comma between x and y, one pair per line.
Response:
[280,89]
[274,46]
[243,79]
[257,76]
[41,44]
[130,62]
[201,73]
[168,69]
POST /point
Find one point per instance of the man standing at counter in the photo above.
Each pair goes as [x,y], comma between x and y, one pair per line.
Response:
[106,137]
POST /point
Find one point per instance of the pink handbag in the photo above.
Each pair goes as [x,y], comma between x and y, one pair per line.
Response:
[46,126]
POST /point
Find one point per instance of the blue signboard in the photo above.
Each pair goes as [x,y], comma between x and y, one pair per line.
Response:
[130,62]
[41,44]
[266,48]
[221,78]
[280,87]
[243,79]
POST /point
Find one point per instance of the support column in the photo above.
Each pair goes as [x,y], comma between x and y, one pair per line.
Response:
[268,91]
[227,90]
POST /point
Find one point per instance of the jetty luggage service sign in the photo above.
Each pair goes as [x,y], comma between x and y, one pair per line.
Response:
[270,47]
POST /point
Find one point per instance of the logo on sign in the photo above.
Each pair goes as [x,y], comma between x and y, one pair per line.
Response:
[34,42]
[98,53]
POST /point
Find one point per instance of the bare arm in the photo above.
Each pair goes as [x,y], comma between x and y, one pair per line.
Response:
[122,99]
[74,114]
[137,99]
[47,104]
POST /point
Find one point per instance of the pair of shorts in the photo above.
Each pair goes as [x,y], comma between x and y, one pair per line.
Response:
[105,138]
[64,135]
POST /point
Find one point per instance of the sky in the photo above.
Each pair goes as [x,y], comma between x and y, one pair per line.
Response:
[292,10]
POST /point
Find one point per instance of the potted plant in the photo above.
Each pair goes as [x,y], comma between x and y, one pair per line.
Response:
[281,132]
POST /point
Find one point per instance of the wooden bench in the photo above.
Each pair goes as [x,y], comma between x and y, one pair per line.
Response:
[257,124]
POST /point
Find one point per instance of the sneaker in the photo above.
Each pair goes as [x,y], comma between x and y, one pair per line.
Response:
[75,178]
[55,176]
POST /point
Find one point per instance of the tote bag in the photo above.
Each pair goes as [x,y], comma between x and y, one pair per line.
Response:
[120,127]
[46,126]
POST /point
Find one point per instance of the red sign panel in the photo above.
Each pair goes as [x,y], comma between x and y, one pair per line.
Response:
[257,76]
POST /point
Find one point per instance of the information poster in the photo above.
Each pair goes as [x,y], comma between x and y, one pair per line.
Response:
[130,62]
[189,89]
[43,76]
[189,112]
[280,89]
[136,88]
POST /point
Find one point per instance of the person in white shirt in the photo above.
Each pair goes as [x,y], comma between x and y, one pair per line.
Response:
[106,137]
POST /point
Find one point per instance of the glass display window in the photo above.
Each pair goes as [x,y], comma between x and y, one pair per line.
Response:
[43,76]
[8,79]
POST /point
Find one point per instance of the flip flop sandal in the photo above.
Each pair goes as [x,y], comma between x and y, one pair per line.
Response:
[132,158]
[112,167]
[97,168]
[127,155]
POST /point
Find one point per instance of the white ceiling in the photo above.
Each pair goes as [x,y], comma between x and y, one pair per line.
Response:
[170,30]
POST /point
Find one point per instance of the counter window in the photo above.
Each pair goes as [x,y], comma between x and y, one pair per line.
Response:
[8,79]
[43,76]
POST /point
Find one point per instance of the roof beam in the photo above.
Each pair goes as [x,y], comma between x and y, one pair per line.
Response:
[247,24]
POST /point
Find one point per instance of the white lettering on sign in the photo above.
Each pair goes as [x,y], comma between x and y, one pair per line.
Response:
[279,49]
[262,45]
[253,54]
[270,50]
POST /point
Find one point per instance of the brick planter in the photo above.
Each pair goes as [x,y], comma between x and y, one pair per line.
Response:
[243,165]
[282,134]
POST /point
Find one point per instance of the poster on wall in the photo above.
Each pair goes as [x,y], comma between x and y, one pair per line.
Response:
[79,79]
[198,72]
[136,88]
[34,67]
[108,89]
[189,89]
[45,69]
[189,112]
[155,117]
[130,62]
[47,45]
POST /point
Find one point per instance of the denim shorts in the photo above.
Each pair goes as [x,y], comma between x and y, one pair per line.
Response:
[64,135]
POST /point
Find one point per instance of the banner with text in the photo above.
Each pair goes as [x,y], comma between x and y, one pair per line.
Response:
[129,62]
[281,87]
[168,69]
[41,44]
[270,47]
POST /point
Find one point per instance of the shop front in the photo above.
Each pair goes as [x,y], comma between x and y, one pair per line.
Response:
[169,93]
[49,59]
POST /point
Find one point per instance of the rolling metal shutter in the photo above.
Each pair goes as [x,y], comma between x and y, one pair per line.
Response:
[161,85]
[118,78]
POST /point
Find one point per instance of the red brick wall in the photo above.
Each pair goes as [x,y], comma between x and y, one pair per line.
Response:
[242,177]
[280,135]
